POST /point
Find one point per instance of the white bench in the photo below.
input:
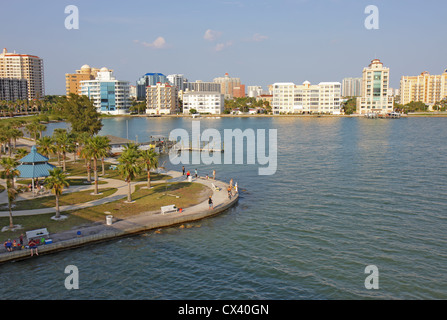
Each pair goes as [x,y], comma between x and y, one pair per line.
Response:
[215,188]
[167,209]
[37,234]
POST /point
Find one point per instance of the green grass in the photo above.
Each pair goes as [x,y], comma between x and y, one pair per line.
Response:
[64,200]
[145,200]
[71,181]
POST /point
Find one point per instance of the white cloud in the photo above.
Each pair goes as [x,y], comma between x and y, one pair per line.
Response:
[159,43]
[221,46]
[211,35]
[259,37]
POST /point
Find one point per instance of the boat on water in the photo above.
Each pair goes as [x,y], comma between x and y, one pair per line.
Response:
[389,115]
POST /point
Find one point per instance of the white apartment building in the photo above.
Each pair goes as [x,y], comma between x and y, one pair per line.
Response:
[254,91]
[289,98]
[24,66]
[161,98]
[109,96]
[375,95]
[203,102]
[351,87]
[177,80]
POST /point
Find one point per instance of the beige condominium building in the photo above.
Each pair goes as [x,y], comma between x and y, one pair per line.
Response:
[375,97]
[228,84]
[425,87]
[73,80]
[162,98]
[306,98]
[24,66]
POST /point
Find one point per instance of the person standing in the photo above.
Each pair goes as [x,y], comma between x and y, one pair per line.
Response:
[229,192]
[195,172]
[214,174]
[183,170]
[210,203]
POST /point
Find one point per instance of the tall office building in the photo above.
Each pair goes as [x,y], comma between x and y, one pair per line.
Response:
[375,97]
[425,87]
[13,89]
[227,85]
[306,98]
[149,79]
[109,96]
[73,80]
[254,91]
[24,66]
[162,98]
[351,87]
[239,91]
[177,80]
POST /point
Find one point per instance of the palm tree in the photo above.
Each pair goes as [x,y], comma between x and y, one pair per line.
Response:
[12,194]
[9,172]
[95,149]
[64,144]
[105,143]
[150,160]
[46,146]
[129,166]
[56,181]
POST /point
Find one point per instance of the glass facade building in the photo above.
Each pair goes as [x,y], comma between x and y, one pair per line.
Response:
[149,79]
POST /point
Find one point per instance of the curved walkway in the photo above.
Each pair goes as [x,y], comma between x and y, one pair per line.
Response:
[141,223]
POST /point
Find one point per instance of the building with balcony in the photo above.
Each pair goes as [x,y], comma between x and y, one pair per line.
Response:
[375,97]
[425,87]
[24,66]
[351,87]
[203,102]
[162,98]
[149,79]
[73,80]
[109,96]
[289,98]
[13,89]
[227,85]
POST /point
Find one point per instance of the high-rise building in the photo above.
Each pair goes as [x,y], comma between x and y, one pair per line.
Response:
[254,91]
[199,85]
[73,80]
[375,97]
[109,96]
[177,80]
[351,87]
[13,89]
[239,91]
[227,85]
[149,79]
[425,87]
[24,66]
[203,102]
[162,98]
[306,98]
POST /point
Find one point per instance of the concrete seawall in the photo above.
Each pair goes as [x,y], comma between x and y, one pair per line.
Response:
[132,226]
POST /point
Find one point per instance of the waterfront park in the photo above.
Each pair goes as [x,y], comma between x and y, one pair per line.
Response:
[72,179]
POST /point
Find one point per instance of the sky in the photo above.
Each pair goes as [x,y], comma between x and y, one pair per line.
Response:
[260,42]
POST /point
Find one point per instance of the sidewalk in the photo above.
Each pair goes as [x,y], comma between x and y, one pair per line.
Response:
[150,220]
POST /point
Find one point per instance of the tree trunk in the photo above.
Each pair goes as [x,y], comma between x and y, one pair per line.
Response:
[95,168]
[148,177]
[11,224]
[58,214]
[129,193]
[63,160]
[89,175]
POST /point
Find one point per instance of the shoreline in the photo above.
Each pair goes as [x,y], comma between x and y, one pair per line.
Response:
[146,221]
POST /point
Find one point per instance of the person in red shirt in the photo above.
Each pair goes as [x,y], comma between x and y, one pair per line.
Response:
[33,246]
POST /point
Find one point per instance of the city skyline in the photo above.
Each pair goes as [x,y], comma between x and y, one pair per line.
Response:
[259,42]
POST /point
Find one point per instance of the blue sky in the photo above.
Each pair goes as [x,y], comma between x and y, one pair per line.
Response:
[261,42]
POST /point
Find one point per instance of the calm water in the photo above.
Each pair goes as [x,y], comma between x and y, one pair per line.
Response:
[347,193]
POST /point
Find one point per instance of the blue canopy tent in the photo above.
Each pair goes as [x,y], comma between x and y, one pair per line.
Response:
[34,165]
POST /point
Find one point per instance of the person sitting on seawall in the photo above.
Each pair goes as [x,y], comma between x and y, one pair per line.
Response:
[8,245]
[33,246]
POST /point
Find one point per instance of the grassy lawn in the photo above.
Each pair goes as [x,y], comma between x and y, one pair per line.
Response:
[78,169]
[71,181]
[145,200]
[64,200]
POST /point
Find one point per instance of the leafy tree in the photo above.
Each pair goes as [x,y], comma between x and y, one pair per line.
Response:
[80,112]
[96,149]
[45,146]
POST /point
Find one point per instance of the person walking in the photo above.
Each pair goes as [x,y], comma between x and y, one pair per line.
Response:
[210,203]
